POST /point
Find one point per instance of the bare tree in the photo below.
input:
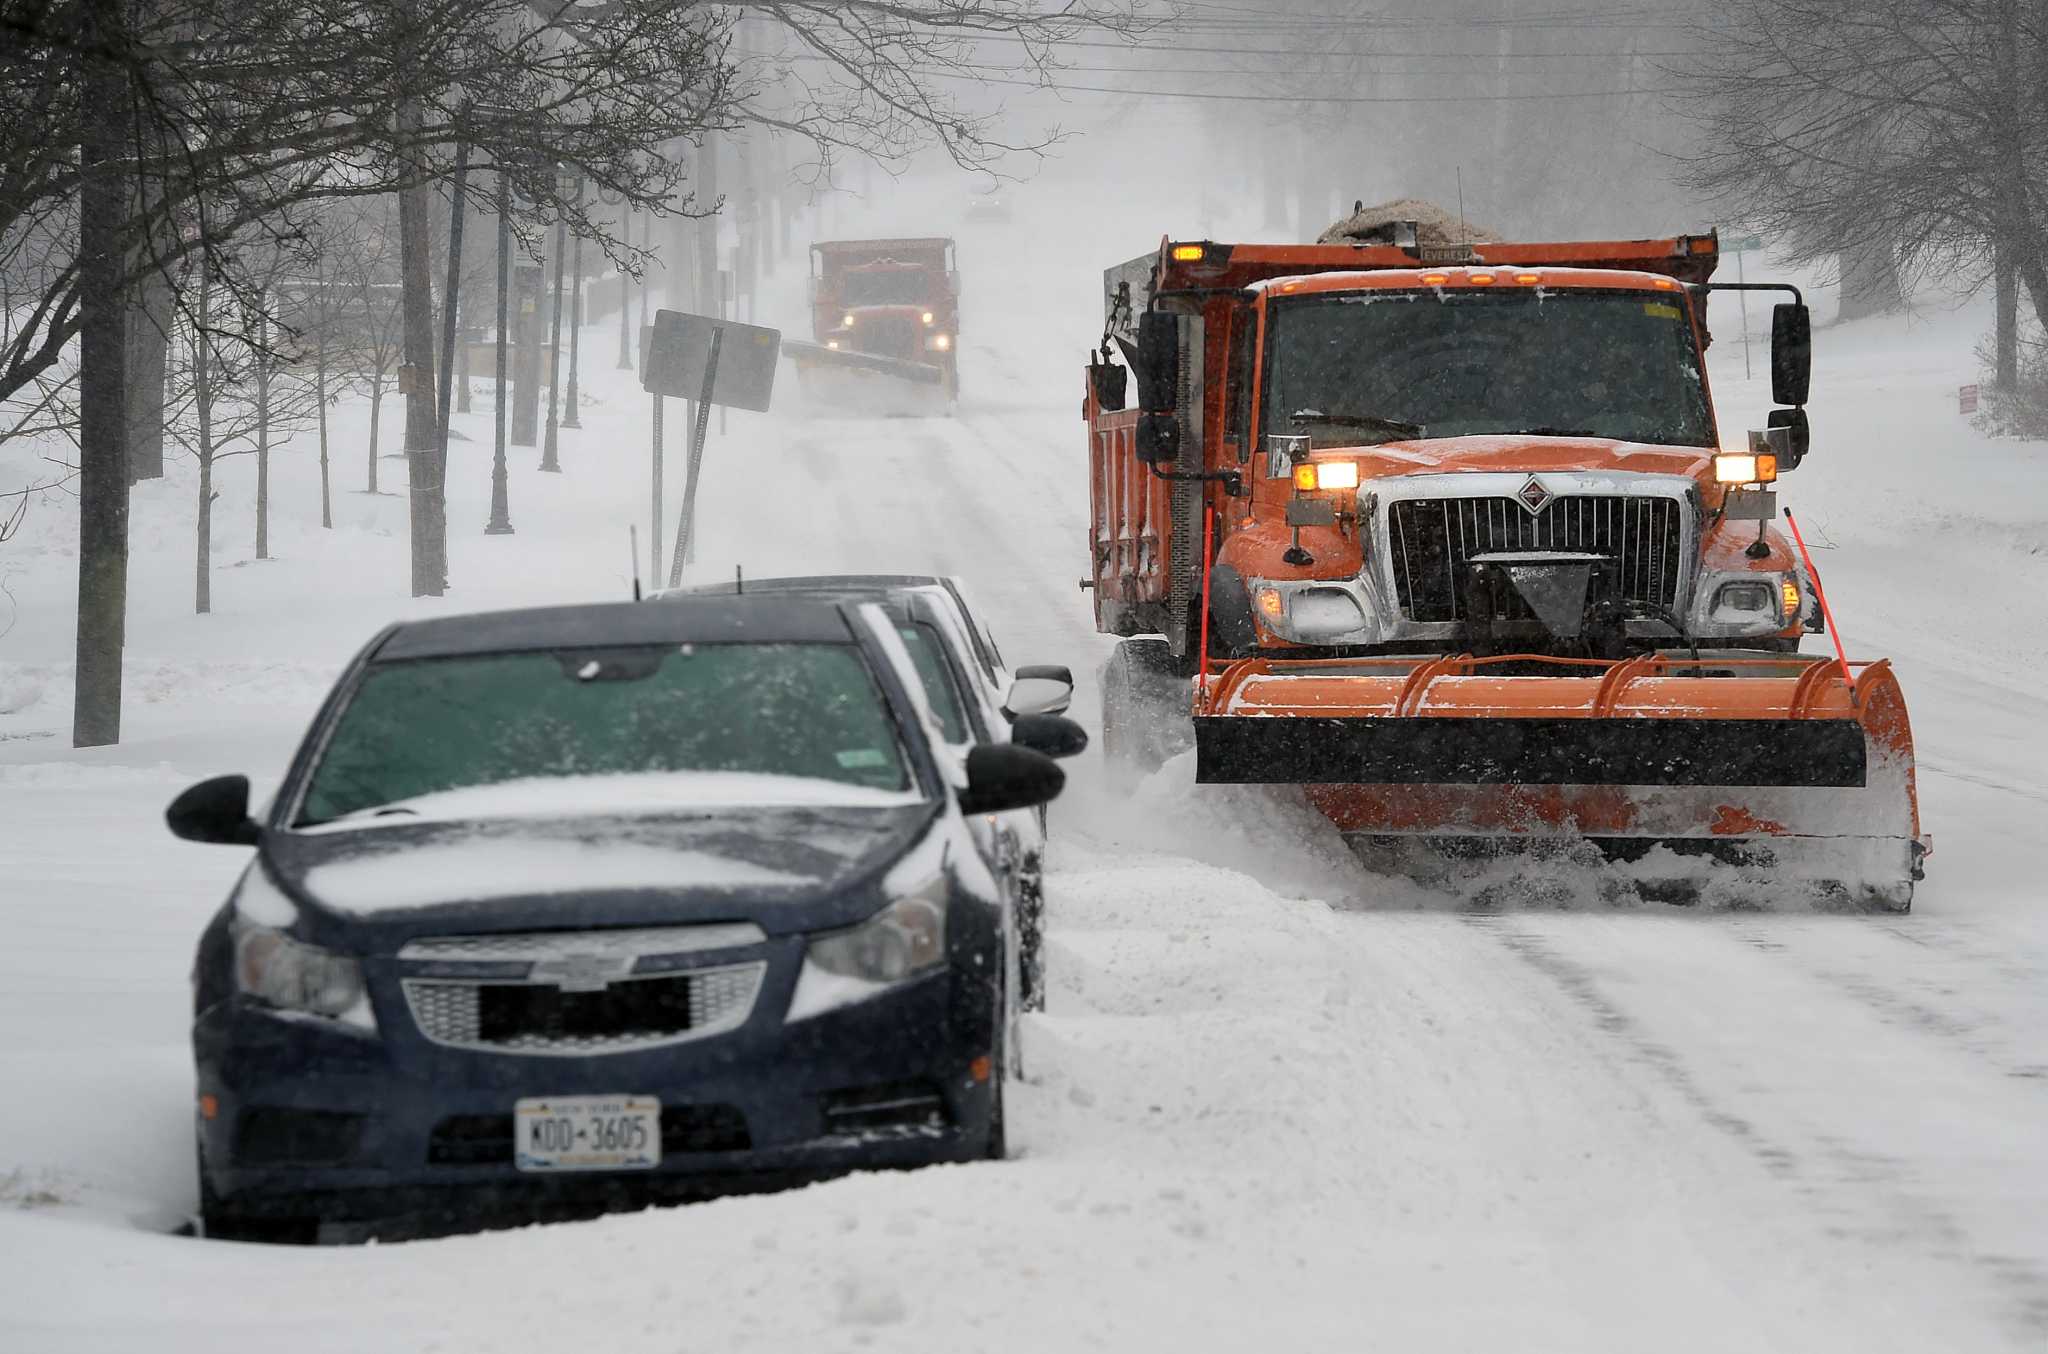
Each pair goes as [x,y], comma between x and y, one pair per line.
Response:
[1894,135]
[239,397]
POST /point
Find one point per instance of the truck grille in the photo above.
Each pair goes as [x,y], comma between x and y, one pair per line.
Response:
[1432,539]
[539,1017]
[888,336]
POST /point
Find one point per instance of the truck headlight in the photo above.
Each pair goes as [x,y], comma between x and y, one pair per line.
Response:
[847,323]
[292,976]
[927,317]
[905,940]
[1747,596]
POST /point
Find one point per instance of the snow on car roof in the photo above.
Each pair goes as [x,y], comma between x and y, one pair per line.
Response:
[713,619]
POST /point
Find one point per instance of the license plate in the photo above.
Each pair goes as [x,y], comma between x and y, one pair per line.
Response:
[587,1133]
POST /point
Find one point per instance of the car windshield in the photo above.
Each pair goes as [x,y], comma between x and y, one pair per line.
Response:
[924,645]
[885,287]
[1620,364]
[427,726]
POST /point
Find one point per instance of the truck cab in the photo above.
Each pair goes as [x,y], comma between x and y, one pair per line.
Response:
[1351,449]
[897,299]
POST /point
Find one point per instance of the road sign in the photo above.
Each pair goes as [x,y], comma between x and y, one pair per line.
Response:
[1742,244]
[1966,400]
[679,358]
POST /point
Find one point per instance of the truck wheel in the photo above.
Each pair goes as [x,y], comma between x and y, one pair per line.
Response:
[1144,709]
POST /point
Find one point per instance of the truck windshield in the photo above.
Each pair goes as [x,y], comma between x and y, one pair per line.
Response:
[1618,364]
[885,287]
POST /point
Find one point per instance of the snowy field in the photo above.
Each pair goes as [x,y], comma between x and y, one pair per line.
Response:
[1272,1104]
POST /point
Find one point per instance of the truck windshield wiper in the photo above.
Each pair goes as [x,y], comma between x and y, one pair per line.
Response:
[1545,430]
[1392,427]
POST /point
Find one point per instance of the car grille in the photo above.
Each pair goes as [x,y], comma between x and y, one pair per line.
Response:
[1430,541]
[540,1017]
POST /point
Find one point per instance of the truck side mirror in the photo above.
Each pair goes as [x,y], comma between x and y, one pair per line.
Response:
[1157,440]
[1158,361]
[1791,353]
[1112,384]
[1798,436]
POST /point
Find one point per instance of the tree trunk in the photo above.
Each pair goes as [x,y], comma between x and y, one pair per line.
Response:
[202,405]
[429,568]
[320,393]
[262,433]
[149,342]
[376,408]
[2006,373]
[102,387]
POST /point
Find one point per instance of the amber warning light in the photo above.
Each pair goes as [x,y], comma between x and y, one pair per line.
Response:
[1187,253]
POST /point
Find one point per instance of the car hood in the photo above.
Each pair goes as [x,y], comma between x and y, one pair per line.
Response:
[1525,452]
[785,869]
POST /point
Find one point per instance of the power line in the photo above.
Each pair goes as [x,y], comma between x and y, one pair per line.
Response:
[1295,98]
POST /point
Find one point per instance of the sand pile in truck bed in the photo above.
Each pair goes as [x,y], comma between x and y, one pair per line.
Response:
[1433,225]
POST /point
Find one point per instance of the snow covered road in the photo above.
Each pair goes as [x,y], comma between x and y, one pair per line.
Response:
[1272,1104]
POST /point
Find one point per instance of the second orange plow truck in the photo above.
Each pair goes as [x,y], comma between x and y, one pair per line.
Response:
[1445,534]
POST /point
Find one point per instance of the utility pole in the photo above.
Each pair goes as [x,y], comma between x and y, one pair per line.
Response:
[569,419]
[501,508]
[102,386]
[548,461]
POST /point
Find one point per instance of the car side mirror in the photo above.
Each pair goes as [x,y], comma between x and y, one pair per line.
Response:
[1158,361]
[215,811]
[1791,353]
[1041,689]
[1053,735]
[1004,776]
[1798,436]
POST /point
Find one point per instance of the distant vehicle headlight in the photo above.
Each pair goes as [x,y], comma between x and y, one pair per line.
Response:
[928,317]
[279,971]
[847,323]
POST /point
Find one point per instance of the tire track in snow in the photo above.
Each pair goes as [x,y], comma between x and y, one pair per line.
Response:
[1987,1036]
[1872,1196]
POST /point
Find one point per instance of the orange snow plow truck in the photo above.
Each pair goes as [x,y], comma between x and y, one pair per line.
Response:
[1445,535]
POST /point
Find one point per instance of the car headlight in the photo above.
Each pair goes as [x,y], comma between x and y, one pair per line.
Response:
[847,322]
[904,940]
[278,971]
[901,941]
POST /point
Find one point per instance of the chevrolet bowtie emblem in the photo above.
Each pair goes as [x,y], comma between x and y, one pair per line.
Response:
[1533,496]
[581,972]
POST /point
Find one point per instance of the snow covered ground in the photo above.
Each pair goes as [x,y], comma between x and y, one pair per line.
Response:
[1272,1104]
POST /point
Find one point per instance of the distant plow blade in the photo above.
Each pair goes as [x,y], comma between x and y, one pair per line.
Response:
[811,357]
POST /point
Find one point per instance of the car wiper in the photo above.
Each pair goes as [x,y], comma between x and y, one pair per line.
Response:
[1392,427]
[1545,430]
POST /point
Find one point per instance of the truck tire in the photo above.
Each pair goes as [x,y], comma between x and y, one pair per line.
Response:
[1145,718]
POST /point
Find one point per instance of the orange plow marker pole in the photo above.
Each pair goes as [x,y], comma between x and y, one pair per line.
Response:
[1208,548]
[1820,595]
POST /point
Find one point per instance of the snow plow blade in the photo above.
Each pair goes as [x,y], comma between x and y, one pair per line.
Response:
[1771,762]
[811,357]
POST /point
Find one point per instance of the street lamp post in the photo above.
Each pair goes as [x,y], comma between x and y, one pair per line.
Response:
[501,510]
[626,296]
[570,420]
